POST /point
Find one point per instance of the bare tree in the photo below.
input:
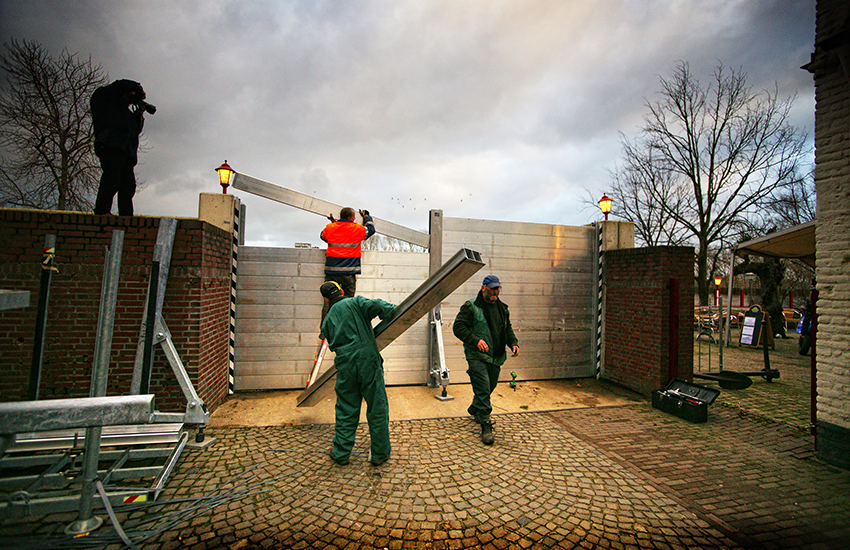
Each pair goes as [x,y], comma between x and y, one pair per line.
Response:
[706,159]
[653,227]
[793,204]
[45,129]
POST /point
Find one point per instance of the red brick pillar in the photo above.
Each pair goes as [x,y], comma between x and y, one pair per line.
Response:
[640,343]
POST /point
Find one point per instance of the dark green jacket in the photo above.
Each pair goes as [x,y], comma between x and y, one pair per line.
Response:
[479,320]
[348,326]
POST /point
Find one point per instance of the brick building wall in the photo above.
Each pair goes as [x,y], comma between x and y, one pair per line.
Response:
[638,336]
[196,306]
[831,69]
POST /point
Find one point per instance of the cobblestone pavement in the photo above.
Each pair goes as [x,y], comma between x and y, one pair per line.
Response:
[626,476]
[613,477]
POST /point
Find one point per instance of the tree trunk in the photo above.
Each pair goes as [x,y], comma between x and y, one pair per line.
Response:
[702,275]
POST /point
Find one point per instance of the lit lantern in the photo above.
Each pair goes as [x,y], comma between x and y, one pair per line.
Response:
[225,172]
[605,205]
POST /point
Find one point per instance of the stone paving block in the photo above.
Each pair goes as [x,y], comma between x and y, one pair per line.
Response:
[614,477]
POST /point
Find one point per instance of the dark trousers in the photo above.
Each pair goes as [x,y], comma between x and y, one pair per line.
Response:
[360,378]
[484,378]
[117,178]
[348,283]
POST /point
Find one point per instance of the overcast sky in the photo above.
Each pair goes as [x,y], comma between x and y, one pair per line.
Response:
[492,109]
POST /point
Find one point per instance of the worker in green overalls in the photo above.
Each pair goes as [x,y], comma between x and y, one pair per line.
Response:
[359,371]
[484,327]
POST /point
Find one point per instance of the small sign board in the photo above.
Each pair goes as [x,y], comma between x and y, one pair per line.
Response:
[751,331]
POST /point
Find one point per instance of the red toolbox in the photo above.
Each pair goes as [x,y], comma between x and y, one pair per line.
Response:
[685,400]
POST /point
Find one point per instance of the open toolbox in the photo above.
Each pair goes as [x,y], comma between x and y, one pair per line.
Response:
[685,400]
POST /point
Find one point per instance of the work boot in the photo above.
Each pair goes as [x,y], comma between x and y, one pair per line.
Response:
[340,461]
[487,437]
[378,461]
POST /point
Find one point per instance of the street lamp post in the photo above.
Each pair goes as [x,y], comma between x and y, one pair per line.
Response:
[717,281]
[605,205]
[224,174]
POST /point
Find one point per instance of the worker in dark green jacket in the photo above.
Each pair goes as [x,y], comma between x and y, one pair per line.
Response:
[484,327]
[359,371]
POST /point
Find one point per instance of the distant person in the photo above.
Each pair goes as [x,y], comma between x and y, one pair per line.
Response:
[118,118]
[484,327]
[359,372]
[342,260]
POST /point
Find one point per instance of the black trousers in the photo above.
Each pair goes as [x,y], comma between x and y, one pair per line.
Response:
[117,178]
[348,283]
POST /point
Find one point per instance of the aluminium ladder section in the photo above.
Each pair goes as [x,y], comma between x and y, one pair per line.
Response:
[456,271]
[77,470]
[33,430]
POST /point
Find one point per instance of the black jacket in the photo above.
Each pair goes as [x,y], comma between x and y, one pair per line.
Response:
[116,128]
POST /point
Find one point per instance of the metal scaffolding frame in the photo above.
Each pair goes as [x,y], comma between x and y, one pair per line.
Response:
[66,440]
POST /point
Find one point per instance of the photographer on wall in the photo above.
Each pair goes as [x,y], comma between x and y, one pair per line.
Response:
[118,118]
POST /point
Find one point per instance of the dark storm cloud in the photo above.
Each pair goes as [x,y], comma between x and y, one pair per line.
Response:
[404,105]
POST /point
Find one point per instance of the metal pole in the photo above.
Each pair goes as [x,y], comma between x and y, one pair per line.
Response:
[730,278]
[86,521]
[47,270]
[435,260]
[150,322]
[764,339]
[722,328]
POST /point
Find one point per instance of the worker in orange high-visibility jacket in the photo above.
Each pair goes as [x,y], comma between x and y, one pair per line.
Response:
[342,260]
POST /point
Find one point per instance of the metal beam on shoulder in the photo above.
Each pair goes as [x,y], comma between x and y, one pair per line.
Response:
[430,293]
[323,208]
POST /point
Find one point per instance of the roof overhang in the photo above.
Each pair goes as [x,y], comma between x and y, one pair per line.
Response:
[796,243]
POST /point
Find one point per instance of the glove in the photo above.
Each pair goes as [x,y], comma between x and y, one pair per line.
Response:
[331,218]
[364,213]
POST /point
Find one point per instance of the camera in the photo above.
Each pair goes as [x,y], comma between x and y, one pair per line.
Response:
[150,109]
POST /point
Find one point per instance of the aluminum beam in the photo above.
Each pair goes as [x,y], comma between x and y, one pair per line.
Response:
[430,293]
[111,436]
[162,254]
[62,414]
[59,498]
[14,299]
[323,208]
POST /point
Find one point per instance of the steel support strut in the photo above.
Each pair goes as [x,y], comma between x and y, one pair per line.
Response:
[87,521]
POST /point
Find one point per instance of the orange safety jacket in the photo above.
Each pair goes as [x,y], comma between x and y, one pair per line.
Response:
[344,238]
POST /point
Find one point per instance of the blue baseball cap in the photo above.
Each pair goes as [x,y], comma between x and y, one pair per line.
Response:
[492,281]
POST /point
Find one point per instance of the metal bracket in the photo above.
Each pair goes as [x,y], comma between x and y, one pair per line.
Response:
[439,369]
[196,410]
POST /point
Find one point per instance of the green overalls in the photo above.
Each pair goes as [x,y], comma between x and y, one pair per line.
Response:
[359,373]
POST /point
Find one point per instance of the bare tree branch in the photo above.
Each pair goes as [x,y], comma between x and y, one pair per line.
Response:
[705,162]
[48,159]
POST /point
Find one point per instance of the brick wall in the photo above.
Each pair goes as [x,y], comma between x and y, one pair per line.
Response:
[637,352]
[831,68]
[196,305]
